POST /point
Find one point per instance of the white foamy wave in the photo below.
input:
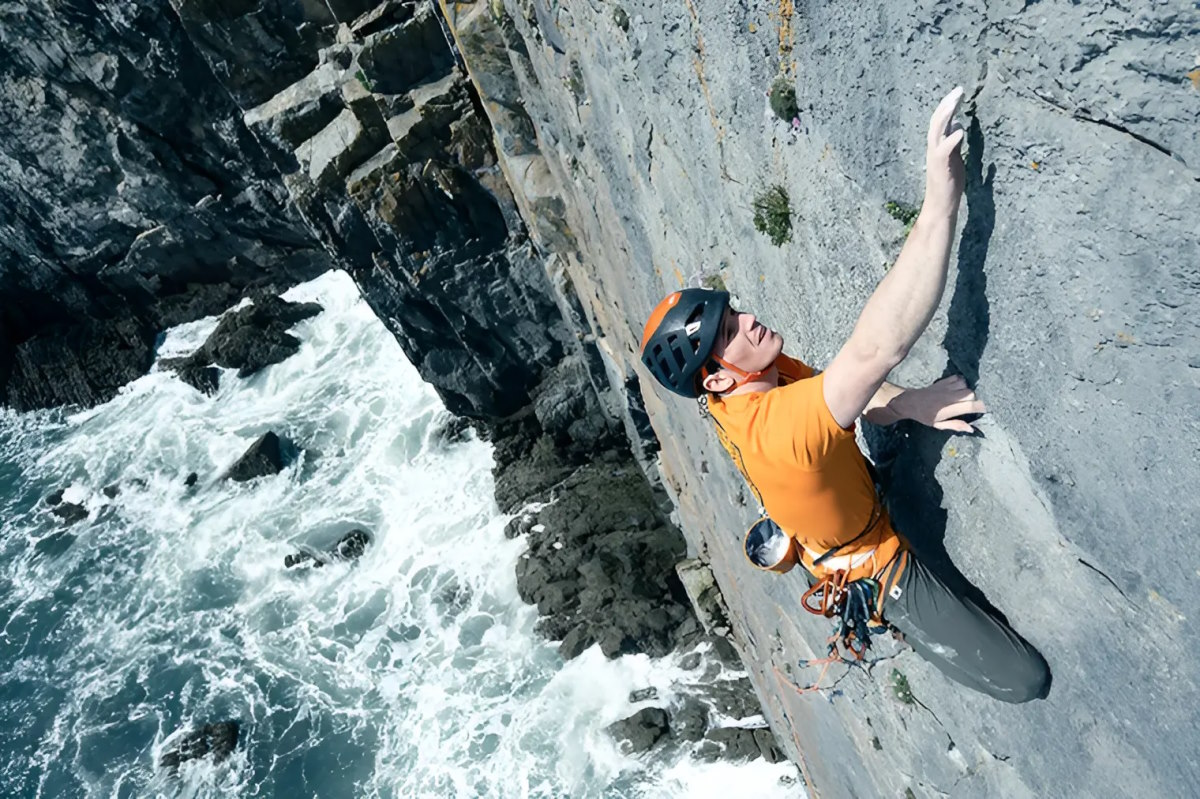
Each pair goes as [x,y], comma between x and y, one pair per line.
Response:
[414,671]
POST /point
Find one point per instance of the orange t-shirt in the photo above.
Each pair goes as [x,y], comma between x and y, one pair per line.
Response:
[809,471]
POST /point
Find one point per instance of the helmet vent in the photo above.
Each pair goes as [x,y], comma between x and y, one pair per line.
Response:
[673,344]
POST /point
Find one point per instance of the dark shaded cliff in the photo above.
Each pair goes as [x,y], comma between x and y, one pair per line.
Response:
[131,198]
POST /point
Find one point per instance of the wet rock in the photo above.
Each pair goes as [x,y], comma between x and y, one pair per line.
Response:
[55,497]
[740,743]
[453,430]
[641,731]
[212,740]
[205,379]
[80,363]
[111,491]
[267,455]
[690,722]
[350,546]
[191,480]
[520,525]
[729,743]
[69,512]
[248,339]
[601,564]
[643,694]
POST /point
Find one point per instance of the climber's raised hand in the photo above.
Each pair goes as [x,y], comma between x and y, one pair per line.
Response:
[944,174]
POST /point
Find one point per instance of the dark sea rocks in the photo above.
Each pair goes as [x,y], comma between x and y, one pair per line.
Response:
[267,455]
[212,740]
[712,696]
[601,565]
[453,430]
[69,512]
[739,743]
[641,731]
[248,339]
[77,364]
[134,199]
[205,379]
[350,546]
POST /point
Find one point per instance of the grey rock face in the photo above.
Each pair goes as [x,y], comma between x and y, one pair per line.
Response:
[134,199]
[1072,307]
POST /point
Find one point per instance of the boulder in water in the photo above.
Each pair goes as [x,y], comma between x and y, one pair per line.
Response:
[218,740]
[248,339]
[69,512]
[641,731]
[265,456]
[350,546]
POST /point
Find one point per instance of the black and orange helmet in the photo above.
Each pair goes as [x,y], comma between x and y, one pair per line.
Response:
[679,338]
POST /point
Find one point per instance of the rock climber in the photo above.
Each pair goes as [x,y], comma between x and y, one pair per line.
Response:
[790,431]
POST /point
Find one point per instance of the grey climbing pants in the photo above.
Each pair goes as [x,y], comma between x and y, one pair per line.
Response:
[964,641]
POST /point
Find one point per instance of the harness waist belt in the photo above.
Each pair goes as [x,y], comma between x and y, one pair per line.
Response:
[840,562]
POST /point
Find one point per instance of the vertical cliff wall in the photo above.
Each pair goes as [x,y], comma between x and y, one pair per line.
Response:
[1072,308]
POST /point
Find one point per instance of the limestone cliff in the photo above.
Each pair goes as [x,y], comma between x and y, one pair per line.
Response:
[1073,309]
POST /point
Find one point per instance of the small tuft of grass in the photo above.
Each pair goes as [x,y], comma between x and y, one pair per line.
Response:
[362,78]
[773,215]
[900,687]
[783,99]
[903,213]
[714,281]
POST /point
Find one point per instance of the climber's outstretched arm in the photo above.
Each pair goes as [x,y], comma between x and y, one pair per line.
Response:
[902,305]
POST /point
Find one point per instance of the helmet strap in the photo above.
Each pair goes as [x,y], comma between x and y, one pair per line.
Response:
[744,376]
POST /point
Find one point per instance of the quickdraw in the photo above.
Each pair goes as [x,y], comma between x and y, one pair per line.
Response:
[851,606]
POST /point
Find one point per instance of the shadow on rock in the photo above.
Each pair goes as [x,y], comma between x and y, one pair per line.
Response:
[906,455]
[969,316]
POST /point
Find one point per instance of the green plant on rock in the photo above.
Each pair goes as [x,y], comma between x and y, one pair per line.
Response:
[362,78]
[783,99]
[773,215]
[900,687]
[903,213]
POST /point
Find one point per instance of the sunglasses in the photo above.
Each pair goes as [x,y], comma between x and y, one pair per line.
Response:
[769,548]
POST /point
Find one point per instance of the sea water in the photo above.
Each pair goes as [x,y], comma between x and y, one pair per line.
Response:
[413,671]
